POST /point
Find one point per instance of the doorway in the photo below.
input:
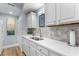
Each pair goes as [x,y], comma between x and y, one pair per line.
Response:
[11,37]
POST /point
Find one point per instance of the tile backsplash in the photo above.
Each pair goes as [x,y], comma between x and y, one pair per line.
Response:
[58,33]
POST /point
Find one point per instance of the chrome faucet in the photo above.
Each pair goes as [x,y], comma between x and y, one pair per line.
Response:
[40,32]
[33,33]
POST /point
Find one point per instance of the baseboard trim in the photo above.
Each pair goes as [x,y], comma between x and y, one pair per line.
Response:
[8,46]
[24,53]
[13,45]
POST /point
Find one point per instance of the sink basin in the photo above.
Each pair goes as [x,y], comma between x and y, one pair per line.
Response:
[36,38]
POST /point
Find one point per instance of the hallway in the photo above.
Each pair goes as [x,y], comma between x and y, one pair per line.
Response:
[12,51]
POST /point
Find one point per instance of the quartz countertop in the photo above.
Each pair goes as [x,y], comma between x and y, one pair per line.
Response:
[57,46]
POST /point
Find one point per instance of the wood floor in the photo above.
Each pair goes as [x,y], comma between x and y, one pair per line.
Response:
[12,51]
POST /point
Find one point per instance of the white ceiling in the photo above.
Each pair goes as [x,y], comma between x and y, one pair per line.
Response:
[15,10]
[6,9]
[31,6]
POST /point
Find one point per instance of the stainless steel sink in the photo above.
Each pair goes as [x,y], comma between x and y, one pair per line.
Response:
[36,38]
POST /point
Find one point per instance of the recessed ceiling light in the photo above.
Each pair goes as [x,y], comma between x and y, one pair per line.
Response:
[10,12]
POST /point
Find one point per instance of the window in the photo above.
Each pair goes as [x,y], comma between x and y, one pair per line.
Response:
[42,20]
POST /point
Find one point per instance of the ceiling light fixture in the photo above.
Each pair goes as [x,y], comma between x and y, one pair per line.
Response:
[11,12]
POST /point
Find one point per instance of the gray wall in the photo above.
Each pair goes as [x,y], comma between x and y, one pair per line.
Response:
[8,40]
[21,27]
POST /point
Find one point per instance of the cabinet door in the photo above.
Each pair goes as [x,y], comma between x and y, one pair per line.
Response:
[27,42]
[33,20]
[25,47]
[32,51]
[50,16]
[29,20]
[26,50]
[39,54]
[20,41]
[43,50]
[65,11]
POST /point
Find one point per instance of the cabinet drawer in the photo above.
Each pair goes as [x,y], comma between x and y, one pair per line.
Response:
[33,44]
[43,50]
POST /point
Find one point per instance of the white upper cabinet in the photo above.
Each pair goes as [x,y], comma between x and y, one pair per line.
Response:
[50,15]
[31,20]
[65,12]
[61,13]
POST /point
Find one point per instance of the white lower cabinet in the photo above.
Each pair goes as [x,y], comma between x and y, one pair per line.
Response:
[33,49]
[26,50]
[38,53]
[42,50]
[25,46]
